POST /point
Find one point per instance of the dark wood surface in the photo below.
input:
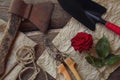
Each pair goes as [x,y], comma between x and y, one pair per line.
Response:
[57,20]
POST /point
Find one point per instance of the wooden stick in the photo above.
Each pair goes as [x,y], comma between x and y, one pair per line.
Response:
[71,64]
[7,40]
[62,69]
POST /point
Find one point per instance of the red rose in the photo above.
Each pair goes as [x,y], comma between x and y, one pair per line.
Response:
[82,41]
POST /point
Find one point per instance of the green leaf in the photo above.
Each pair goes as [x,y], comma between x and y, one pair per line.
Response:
[103,47]
[111,59]
[94,61]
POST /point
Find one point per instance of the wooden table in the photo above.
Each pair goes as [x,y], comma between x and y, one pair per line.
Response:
[38,36]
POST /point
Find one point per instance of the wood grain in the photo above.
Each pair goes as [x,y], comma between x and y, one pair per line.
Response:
[7,40]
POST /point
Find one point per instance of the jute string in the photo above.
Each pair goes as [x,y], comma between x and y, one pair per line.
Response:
[25,55]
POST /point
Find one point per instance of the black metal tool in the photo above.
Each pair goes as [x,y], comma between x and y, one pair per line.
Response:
[88,13]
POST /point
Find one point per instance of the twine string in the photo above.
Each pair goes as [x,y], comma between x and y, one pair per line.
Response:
[25,55]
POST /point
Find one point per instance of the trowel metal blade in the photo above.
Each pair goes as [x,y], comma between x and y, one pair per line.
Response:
[77,9]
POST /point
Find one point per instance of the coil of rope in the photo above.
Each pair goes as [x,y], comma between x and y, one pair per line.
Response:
[25,55]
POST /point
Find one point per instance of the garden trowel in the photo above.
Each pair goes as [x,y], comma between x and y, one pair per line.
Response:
[88,13]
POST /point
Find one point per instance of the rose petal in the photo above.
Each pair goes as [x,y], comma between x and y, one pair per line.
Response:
[82,41]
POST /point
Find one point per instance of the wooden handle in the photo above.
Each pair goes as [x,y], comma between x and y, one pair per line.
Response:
[7,39]
[62,70]
[113,27]
[71,66]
